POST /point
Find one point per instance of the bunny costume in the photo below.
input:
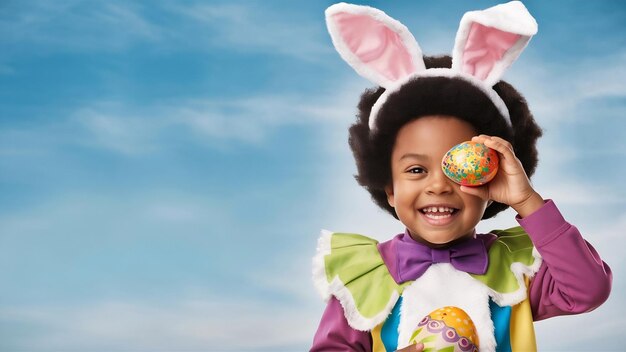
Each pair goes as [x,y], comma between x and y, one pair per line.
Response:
[378,292]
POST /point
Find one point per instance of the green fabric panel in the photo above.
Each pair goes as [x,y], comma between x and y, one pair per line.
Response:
[415,333]
[428,339]
[512,245]
[340,240]
[358,264]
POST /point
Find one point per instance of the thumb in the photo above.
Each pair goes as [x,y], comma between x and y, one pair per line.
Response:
[481,192]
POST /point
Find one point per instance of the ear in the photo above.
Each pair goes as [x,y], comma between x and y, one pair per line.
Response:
[377,46]
[390,197]
[489,41]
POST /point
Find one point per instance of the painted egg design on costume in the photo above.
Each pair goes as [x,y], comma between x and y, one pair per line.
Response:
[470,164]
[447,329]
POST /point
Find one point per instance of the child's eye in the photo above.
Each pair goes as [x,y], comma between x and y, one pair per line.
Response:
[417,170]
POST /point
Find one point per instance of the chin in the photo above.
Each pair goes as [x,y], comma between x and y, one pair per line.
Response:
[442,241]
[439,239]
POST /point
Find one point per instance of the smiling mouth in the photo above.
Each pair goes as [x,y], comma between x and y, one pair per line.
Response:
[438,213]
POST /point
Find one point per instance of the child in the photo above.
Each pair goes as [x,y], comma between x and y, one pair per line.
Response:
[379,292]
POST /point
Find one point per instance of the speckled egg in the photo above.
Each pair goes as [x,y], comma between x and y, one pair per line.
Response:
[470,164]
[447,328]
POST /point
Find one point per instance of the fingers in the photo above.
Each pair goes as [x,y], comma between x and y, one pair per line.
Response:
[498,144]
[481,192]
[480,138]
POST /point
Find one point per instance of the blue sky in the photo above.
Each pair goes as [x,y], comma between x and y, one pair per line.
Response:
[165,167]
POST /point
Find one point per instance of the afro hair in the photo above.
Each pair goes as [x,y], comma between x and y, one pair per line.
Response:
[427,96]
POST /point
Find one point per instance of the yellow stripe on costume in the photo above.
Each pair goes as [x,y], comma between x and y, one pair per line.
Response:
[522,331]
[377,342]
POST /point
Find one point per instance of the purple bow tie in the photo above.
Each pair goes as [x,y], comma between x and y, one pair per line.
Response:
[469,256]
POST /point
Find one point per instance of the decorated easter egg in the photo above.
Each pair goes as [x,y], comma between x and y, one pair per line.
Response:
[447,329]
[470,164]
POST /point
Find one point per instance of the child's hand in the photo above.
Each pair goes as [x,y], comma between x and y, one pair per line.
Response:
[511,185]
[418,347]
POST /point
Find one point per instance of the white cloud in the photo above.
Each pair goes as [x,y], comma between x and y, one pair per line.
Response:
[118,15]
[258,28]
[350,208]
[114,215]
[72,26]
[578,193]
[555,93]
[293,280]
[600,330]
[134,131]
[600,80]
[129,135]
[209,323]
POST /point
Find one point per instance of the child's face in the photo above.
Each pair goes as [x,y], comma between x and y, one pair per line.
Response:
[430,205]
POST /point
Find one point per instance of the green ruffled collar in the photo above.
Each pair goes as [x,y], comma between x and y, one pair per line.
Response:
[350,267]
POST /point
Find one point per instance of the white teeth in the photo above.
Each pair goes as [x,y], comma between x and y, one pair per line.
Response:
[433,216]
[438,210]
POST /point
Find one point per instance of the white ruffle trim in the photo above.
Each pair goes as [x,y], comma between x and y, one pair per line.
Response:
[519,270]
[459,289]
[338,289]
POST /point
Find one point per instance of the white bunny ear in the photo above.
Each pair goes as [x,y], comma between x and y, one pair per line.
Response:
[489,41]
[377,46]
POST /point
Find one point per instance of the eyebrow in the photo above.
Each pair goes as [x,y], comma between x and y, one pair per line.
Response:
[414,156]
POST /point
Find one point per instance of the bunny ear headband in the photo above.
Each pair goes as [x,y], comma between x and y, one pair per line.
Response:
[383,50]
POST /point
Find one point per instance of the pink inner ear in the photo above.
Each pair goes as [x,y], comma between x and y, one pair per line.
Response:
[484,47]
[375,44]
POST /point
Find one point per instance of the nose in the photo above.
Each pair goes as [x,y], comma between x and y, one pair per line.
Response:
[438,183]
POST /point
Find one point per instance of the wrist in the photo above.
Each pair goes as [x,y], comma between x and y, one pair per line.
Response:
[529,205]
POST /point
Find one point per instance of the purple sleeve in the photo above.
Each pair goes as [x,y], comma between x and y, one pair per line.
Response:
[334,333]
[572,278]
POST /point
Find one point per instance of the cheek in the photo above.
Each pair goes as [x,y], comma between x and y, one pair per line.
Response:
[405,191]
[477,205]
[480,207]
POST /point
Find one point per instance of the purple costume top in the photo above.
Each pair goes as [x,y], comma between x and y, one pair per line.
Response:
[572,278]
